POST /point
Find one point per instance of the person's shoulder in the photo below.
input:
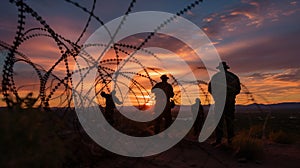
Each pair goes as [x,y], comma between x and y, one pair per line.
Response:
[157,85]
[232,74]
[229,72]
[217,75]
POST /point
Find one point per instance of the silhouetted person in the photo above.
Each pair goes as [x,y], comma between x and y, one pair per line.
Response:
[163,93]
[198,115]
[29,100]
[232,89]
[110,106]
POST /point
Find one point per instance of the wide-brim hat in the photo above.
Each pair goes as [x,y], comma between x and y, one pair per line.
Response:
[223,65]
[164,77]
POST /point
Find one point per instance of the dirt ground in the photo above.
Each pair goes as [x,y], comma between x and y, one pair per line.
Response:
[189,154]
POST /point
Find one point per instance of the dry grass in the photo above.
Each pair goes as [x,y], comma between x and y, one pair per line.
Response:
[281,137]
[248,147]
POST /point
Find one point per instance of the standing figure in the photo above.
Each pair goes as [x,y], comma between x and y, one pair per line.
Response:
[163,93]
[232,89]
[198,115]
[29,100]
[110,106]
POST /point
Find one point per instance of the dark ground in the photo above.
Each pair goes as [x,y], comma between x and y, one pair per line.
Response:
[35,139]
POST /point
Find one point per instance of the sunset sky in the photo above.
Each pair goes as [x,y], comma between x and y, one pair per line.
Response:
[258,39]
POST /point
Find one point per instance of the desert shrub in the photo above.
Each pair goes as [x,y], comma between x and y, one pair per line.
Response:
[281,137]
[256,131]
[248,147]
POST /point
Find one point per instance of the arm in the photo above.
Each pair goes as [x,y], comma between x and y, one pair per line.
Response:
[209,87]
[117,100]
[171,91]
[155,86]
[238,85]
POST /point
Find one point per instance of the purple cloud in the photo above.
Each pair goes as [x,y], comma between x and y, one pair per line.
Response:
[288,75]
[245,16]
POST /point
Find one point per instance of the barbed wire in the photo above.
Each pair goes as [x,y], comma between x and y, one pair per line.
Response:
[70,51]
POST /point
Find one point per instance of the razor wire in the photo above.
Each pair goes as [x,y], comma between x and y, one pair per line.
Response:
[50,83]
